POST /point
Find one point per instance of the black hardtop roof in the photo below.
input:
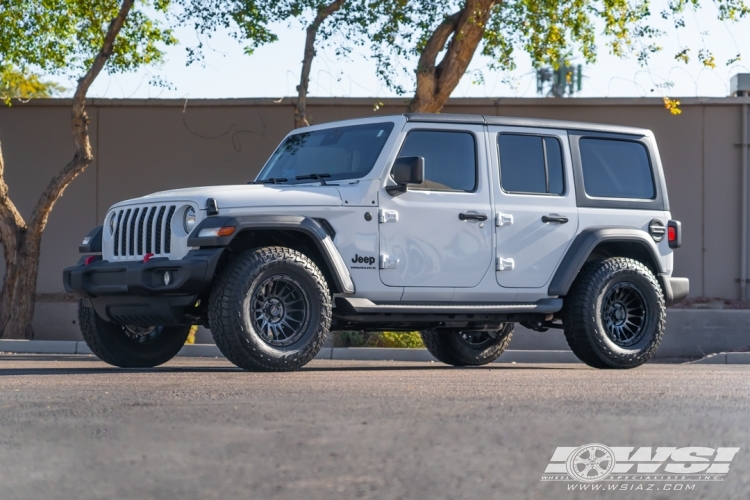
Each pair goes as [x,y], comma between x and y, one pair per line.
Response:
[523,122]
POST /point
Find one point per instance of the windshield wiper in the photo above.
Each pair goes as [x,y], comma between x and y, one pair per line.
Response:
[317,177]
[272,180]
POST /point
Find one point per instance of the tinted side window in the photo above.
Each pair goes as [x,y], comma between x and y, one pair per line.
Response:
[450,159]
[530,164]
[616,169]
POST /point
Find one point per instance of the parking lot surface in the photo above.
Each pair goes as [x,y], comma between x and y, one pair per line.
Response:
[72,427]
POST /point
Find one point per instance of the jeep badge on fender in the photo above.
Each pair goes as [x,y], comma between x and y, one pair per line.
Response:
[358,259]
[482,222]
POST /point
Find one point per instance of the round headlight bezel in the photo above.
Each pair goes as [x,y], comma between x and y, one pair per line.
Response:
[112,223]
[189,220]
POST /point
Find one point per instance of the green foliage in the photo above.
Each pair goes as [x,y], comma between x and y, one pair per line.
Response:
[549,31]
[410,340]
[249,20]
[15,84]
[64,36]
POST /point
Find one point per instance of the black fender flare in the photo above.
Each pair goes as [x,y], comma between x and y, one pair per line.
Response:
[585,243]
[310,227]
[92,243]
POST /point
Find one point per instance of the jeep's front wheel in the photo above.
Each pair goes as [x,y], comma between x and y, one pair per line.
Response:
[468,348]
[614,315]
[270,310]
[130,346]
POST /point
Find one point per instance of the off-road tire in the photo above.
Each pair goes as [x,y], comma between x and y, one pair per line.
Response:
[451,348]
[109,342]
[229,313]
[584,318]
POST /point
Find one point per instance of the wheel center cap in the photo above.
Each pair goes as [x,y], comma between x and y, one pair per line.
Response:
[618,313]
[274,310]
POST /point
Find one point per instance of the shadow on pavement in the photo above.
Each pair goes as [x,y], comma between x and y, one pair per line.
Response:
[360,366]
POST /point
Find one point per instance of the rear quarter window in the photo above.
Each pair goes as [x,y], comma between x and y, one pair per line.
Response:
[616,169]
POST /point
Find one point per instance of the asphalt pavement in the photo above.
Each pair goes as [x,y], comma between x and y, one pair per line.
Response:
[73,428]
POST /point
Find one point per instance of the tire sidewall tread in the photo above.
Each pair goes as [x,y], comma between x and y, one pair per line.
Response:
[451,349]
[229,316]
[582,318]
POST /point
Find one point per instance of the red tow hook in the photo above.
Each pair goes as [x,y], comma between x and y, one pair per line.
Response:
[147,257]
[89,260]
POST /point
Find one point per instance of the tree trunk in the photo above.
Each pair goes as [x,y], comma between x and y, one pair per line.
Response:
[463,32]
[22,242]
[19,288]
[301,116]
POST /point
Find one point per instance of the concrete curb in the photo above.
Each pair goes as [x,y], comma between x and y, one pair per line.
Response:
[725,358]
[337,353]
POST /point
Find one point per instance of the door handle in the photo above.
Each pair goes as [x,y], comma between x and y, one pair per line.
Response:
[481,217]
[560,219]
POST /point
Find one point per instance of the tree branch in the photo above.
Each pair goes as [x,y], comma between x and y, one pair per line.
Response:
[11,220]
[79,124]
[463,31]
[301,118]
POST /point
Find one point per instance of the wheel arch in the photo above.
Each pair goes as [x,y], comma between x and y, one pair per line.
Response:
[300,233]
[595,243]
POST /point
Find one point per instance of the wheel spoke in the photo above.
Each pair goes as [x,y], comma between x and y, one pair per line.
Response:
[279,310]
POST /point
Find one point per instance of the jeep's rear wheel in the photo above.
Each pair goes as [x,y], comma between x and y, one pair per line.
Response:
[270,310]
[468,348]
[614,315]
[130,346]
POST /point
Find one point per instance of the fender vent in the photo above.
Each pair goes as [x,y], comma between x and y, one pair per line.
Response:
[327,227]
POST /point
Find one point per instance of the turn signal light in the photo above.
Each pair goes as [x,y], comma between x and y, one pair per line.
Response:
[672,233]
[217,231]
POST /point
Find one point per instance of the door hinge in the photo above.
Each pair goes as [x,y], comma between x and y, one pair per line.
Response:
[505,264]
[388,262]
[503,219]
[387,216]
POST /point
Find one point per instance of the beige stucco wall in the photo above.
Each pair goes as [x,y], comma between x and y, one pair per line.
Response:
[143,146]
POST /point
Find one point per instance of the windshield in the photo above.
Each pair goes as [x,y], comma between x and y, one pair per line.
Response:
[334,154]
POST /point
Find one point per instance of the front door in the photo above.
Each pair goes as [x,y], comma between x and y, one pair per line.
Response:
[536,216]
[439,234]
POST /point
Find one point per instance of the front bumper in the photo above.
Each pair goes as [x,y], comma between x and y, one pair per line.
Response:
[675,289]
[134,293]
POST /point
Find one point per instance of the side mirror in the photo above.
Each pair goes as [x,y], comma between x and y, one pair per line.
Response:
[406,170]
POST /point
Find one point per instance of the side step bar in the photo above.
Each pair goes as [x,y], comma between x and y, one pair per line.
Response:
[349,305]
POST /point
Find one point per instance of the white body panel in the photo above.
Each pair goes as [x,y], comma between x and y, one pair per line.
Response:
[429,245]
[534,248]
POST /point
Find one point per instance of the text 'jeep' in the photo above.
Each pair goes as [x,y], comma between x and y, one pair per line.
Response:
[456,226]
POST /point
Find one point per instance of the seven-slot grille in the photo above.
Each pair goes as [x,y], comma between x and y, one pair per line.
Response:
[143,230]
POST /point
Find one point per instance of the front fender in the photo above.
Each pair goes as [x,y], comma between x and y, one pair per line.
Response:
[306,225]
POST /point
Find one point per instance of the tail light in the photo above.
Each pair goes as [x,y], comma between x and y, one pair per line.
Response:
[674,234]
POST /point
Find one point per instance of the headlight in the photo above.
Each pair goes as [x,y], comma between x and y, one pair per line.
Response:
[112,223]
[189,221]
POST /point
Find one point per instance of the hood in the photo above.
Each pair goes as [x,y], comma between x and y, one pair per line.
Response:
[248,195]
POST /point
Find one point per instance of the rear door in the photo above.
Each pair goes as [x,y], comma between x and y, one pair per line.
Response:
[536,216]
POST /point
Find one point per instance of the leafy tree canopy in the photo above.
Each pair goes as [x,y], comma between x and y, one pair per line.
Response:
[249,20]
[64,36]
[16,84]
[549,31]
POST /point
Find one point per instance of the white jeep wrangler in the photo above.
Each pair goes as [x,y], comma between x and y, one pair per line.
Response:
[454,225]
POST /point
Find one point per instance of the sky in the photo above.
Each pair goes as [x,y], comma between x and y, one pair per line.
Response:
[273,70]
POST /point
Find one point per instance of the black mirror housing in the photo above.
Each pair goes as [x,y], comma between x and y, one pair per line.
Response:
[406,170]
